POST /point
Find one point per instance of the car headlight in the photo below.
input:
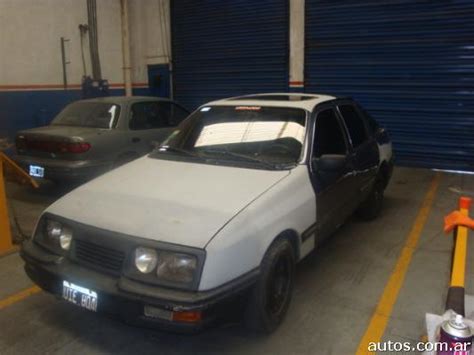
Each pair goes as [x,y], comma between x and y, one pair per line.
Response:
[58,235]
[65,238]
[53,229]
[176,267]
[145,259]
[167,265]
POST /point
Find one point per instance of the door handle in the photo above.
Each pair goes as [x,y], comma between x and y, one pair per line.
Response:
[136,140]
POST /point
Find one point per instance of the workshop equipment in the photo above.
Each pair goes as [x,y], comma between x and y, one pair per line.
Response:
[456,335]
[456,330]
[452,331]
[458,222]
[6,244]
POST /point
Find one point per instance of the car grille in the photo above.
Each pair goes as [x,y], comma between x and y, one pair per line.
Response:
[98,255]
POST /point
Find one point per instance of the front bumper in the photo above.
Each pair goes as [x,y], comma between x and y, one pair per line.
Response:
[127,298]
[64,170]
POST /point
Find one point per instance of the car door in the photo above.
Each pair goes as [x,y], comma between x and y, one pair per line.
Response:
[331,183]
[363,151]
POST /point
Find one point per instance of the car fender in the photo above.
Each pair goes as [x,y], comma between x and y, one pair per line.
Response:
[240,245]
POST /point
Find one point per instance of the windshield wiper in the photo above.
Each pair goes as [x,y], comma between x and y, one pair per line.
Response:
[167,148]
[240,156]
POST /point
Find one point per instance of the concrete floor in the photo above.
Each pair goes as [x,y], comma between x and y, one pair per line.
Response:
[337,288]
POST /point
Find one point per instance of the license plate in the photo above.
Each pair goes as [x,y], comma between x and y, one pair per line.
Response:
[80,296]
[36,171]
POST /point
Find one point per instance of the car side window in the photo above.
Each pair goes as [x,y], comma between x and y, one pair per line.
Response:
[329,136]
[355,125]
[145,115]
[174,113]
[371,123]
[153,115]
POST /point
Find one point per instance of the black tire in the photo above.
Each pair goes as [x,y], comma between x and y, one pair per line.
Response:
[371,207]
[271,295]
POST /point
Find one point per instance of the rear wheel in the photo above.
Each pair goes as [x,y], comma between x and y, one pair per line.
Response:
[371,207]
[271,295]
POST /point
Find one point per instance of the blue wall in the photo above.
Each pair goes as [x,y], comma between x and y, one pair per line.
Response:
[228,48]
[27,109]
[410,63]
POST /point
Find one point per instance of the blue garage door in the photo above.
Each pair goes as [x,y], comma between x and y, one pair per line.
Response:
[227,48]
[411,63]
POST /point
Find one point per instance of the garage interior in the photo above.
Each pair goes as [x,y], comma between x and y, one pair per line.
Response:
[408,62]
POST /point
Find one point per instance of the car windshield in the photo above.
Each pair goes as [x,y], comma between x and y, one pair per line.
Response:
[88,114]
[255,135]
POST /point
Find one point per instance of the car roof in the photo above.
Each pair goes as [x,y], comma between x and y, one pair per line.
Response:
[297,100]
[124,99]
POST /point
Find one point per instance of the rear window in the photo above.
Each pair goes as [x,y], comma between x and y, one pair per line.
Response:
[88,114]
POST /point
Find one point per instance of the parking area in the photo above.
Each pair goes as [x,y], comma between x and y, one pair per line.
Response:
[248,177]
[337,289]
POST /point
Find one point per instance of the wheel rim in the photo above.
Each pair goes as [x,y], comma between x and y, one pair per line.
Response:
[278,286]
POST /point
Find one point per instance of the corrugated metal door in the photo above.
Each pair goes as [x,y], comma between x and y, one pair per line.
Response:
[411,63]
[227,48]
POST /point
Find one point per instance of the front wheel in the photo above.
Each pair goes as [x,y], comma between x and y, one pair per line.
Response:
[371,207]
[271,295]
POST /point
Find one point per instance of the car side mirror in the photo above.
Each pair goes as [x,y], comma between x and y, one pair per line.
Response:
[329,162]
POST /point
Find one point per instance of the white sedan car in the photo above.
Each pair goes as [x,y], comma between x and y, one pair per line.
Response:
[241,191]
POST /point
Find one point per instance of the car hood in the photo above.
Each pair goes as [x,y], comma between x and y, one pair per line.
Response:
[177,202]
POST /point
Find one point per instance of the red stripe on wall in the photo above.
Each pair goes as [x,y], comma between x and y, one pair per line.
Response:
[299,83]
[37,86]
[121,85]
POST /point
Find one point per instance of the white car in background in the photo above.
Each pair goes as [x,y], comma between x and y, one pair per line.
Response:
[240,192]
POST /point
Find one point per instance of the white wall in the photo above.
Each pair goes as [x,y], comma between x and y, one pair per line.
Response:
[110,39]
[149,35]
[30,32]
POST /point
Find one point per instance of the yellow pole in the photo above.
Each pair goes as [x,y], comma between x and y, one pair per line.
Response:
[5,233]
[460,251]
[455,299]
[6,244]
